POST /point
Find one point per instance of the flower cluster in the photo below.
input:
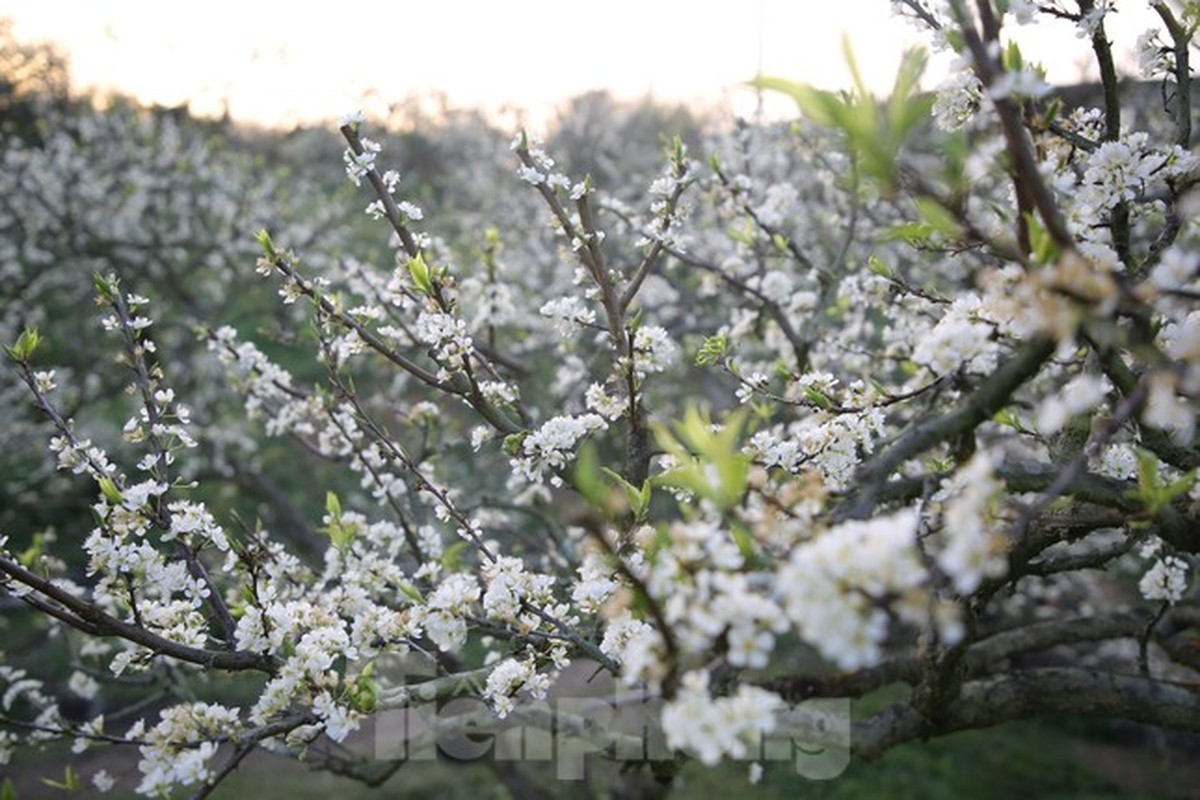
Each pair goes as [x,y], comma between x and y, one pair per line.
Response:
[974,549]
[180,747]
[551,446]
[1081,394]
[568,314]
[835,589]
[958,98]
[447,336]
[959,339]
[714,728]
[1166,580]
[359,164]
[510,678]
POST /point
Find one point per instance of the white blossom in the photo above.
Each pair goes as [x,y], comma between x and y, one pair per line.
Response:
[510,678]
[568,313]
[1081,394]
[1166,580]
[831,585]
[551,446]
[653,350]
[974,547]
[718,727]
[957,98]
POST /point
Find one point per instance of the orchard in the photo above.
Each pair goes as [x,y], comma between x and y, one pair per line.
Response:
[579,459]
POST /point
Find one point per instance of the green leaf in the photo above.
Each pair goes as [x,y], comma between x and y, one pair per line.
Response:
[513,442]
[452,557]
[939,219]
[955,39]
[1011,59]
[907,110]
[744,235]
[822,107]
[817,398]
[108,488]
[876,265]
[939,465]
[106,287]
[421,275]
[1191,14]
[340,534]
[1007,418]
[69,783]
[876,136]
[1180,486]
[333,506]
[26,343]
[848,54]
[7,791]
[30,556]
[1045,250]
[639,498]
[264,241]
[713,350]
[711,464]
[1152,491]
[411,592]
[744,542]
[914,234]
[586,475]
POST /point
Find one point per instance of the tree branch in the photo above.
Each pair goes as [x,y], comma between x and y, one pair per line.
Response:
[102,624]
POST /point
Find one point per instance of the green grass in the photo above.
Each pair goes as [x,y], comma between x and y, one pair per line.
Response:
[1032,759]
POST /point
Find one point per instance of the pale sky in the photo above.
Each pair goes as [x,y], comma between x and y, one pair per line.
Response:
[284,62]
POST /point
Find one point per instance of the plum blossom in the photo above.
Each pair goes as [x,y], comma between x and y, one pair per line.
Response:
[448,337]
[568,313]
[958,98]
[974,548]
[1166,580]
[959,339]
[444,614]
[359,164]
[636,646]
[551,446]
[508,679]
[340,721]
[596,583]
[830,586]
[718,727]
[653,350]
[1081,394]
[1155,59]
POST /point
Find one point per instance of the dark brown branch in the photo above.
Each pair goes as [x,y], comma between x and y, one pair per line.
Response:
[1119,220]
[102,624]
[1027,179]
[391,210]
[1181,41]
[981,405]
[1034,693]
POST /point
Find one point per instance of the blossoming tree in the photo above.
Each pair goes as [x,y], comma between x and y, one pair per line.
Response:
[854,405]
